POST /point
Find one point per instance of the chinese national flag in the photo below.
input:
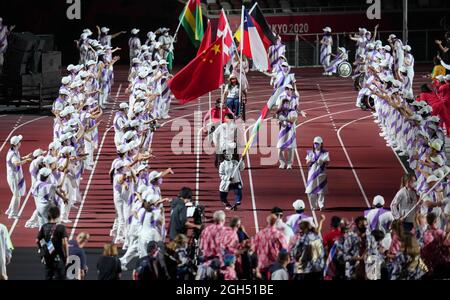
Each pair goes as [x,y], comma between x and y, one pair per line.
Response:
[202,75]
[207,39]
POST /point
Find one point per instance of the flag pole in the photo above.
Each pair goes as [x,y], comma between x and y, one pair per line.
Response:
[210,116]
[241,45]
[181,20]
[221,103]
[427,193]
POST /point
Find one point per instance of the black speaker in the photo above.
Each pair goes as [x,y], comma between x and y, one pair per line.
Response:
[48,42]
[51,62]
[51,79]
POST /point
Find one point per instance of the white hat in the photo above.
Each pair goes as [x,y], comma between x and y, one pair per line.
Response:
[135,60]
[91,101]
[342,49]
[38,152]
[438,159]
[49,160]
[371,46]
[162,62]
[407,48]
[54,145]
[123,105]
[104,29]
[138,109]
[387,48]
[141,168]
[153,175]
[432,178]
[318,140]
[402,69]
[135,31]
[434,119]
[447,77]
[378,200]
[45,172]
[391,37]
[327,29]
[144,47]
[65,136]
[151,34]
[70,67]
[285,64]
[298,205]
[65,80]
[154,63]
[123,148]
[289,86]
[436,144]
[16,140]
[416,117]
[157,45]
[440,173]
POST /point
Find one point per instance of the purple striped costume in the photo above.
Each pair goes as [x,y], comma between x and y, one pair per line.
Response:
[15,178]
[317,177]
[287,135]
[275,52]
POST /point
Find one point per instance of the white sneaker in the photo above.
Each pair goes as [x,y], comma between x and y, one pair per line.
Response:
[112,232]
[382,134]
[289,167]
[66,221]
[166,117]
[377,121]
[124,268]
[282,166]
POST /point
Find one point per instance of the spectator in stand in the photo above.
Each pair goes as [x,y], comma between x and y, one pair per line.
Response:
[358,244]
[309,254]
[443,47]
[404,202]
[434,251]
[279,269]
[152,266]
[407,263]
[287,231]
[294,220]
[76,248]
[228,271]
[334,234]
[267,244]
[108,265]
[213,237]
[6,249]
[52,241]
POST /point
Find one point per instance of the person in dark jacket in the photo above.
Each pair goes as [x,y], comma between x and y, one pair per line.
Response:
[179,223]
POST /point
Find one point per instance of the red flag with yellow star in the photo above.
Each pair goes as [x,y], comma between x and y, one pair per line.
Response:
[202,75]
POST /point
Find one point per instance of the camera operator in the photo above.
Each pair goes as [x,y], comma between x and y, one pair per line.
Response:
[179,223]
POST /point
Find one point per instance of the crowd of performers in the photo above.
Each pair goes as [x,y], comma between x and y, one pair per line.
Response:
[413,126]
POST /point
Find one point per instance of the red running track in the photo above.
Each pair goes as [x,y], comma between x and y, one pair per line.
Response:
[361,164]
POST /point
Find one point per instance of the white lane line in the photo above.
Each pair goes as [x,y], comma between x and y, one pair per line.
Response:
[350,161]
[88,185]
[91,176]
[11,230]
[15,129]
